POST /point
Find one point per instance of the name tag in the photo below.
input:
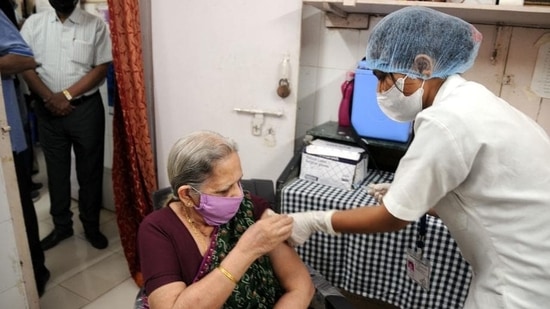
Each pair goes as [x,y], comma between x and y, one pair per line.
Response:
[418,268]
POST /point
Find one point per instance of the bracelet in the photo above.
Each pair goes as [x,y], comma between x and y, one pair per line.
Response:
[228,275]
[67,95]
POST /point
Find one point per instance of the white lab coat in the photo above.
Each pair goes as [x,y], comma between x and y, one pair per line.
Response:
[485,168]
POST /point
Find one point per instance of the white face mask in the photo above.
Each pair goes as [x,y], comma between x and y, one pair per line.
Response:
[397,106]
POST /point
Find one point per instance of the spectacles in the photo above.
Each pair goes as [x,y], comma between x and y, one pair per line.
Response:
[222,193]
[381,76]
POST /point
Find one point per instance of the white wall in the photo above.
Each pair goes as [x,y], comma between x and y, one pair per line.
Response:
[327,54]
[210,57]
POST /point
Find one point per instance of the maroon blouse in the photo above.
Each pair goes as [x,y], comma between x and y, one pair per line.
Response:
[167,250]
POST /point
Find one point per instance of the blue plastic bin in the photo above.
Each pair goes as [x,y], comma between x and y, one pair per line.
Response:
[367,118]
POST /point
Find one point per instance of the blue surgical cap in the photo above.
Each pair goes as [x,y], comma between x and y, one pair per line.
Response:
[399,41]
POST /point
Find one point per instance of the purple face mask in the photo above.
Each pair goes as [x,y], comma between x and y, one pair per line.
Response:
[217,210]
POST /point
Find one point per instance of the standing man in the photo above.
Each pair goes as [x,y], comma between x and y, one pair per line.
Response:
[74,50]
[16,56]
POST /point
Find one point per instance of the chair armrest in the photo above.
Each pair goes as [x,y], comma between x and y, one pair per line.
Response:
[333,298]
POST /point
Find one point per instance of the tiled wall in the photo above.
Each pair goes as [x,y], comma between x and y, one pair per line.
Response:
[327,54]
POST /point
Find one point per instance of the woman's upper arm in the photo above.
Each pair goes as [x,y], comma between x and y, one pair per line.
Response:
[288,266]
[291,270]
[165,296]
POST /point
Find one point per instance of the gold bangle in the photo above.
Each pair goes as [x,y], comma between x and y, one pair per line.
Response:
[228,275]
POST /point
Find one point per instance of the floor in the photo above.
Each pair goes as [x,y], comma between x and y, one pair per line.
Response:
[82,276]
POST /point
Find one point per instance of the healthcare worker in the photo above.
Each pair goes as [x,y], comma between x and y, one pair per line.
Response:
[479,163]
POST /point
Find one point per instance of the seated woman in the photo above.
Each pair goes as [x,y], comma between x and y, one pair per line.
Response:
[211,246]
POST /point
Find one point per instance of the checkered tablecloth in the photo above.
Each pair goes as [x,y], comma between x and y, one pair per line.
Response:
[374,265]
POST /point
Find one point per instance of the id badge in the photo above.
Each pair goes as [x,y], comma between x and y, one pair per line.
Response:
[418,268]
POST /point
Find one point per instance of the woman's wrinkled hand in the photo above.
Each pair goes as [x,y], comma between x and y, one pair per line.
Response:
[264,235]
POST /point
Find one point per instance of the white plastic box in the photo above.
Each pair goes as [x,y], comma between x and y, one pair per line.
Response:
[334,164]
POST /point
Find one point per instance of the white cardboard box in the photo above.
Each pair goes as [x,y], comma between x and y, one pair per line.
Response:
[334,164]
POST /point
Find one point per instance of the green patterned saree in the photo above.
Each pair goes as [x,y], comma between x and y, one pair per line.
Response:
[258,287]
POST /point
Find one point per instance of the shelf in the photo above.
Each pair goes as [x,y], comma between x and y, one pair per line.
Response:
[536,16]
[332,131]
[383,154]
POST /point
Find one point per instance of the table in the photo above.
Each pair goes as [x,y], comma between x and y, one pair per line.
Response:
[374,265]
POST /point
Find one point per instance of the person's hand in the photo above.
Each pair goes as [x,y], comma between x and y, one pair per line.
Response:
[264,235]
[58,105]
[306,223]
[378,190]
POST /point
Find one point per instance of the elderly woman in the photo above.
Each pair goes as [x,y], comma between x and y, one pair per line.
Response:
[210,247]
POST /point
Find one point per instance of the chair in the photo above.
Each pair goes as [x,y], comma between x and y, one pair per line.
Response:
[160,196]
[326,295]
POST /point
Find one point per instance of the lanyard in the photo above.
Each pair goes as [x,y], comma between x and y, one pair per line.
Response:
[421,234]
[419,268]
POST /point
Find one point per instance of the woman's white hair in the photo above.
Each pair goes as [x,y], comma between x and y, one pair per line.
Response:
[193,157]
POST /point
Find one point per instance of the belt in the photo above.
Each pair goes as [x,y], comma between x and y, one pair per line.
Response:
[83,98]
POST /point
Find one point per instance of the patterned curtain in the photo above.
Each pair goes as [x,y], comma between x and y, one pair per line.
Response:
[134,175]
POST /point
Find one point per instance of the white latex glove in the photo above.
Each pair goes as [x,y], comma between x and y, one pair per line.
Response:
[378,190]
[306,223]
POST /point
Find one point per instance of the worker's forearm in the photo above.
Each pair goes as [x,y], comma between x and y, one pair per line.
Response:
[13,63]
[367,219]
[36,85]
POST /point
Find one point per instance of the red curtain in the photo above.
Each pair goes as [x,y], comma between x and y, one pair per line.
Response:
[134,175]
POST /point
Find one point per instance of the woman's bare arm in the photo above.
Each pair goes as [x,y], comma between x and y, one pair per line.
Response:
[293,276]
